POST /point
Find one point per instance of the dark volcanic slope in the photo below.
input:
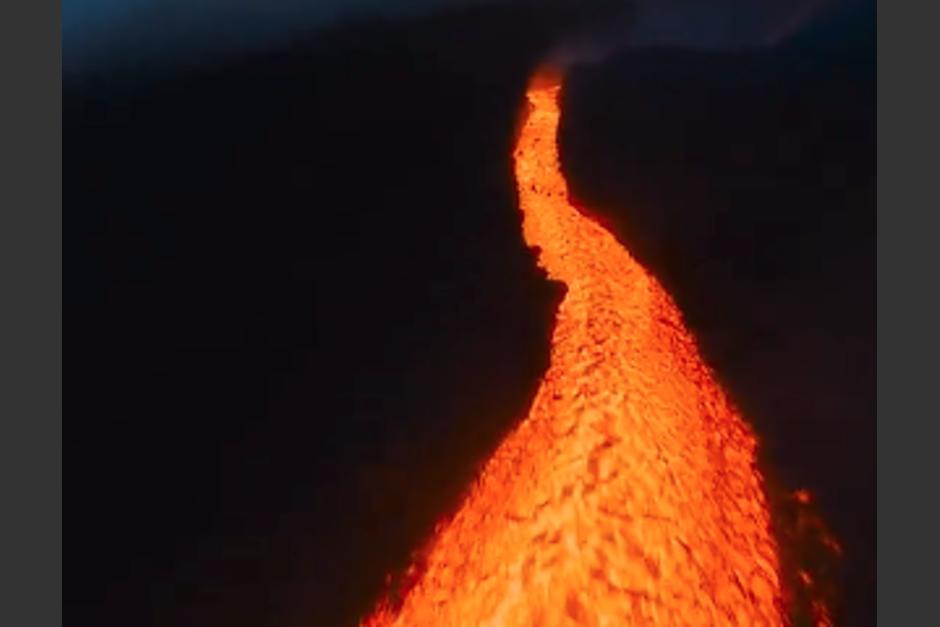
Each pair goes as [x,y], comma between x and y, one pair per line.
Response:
[746,182]
[299,310]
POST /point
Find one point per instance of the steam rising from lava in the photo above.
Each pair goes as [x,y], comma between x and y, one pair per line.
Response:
[703,24]
[630,493]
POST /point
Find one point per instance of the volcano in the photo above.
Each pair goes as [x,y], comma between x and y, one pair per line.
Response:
[306,324]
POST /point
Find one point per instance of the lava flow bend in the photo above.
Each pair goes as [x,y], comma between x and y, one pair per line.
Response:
[630,494]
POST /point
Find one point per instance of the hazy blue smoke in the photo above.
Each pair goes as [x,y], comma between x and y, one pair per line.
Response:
[702,24]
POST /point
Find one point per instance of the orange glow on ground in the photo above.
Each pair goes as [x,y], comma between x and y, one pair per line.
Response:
[629,495]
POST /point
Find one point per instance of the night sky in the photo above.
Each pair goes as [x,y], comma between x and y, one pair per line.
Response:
[299,311]
[101,35]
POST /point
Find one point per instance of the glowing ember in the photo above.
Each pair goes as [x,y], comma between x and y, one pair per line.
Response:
[629,495]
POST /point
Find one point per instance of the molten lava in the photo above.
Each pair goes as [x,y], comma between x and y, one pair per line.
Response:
[629,494]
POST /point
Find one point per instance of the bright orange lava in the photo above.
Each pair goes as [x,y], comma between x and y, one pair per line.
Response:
[629,495]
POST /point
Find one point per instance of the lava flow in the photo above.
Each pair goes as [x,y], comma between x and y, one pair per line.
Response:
[629,495]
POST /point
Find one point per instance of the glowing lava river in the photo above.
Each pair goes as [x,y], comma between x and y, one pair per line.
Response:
[630,494]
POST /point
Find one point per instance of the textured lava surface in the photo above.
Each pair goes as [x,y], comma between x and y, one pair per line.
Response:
[630,493]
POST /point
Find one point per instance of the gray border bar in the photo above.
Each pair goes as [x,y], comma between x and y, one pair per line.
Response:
[31,339]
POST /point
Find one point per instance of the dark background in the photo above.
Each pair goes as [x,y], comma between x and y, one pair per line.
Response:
[299,311]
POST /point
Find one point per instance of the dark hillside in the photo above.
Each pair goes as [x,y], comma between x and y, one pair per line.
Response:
[299,312]
[746,182]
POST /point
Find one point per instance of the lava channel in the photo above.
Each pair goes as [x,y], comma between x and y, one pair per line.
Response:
[629,495]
